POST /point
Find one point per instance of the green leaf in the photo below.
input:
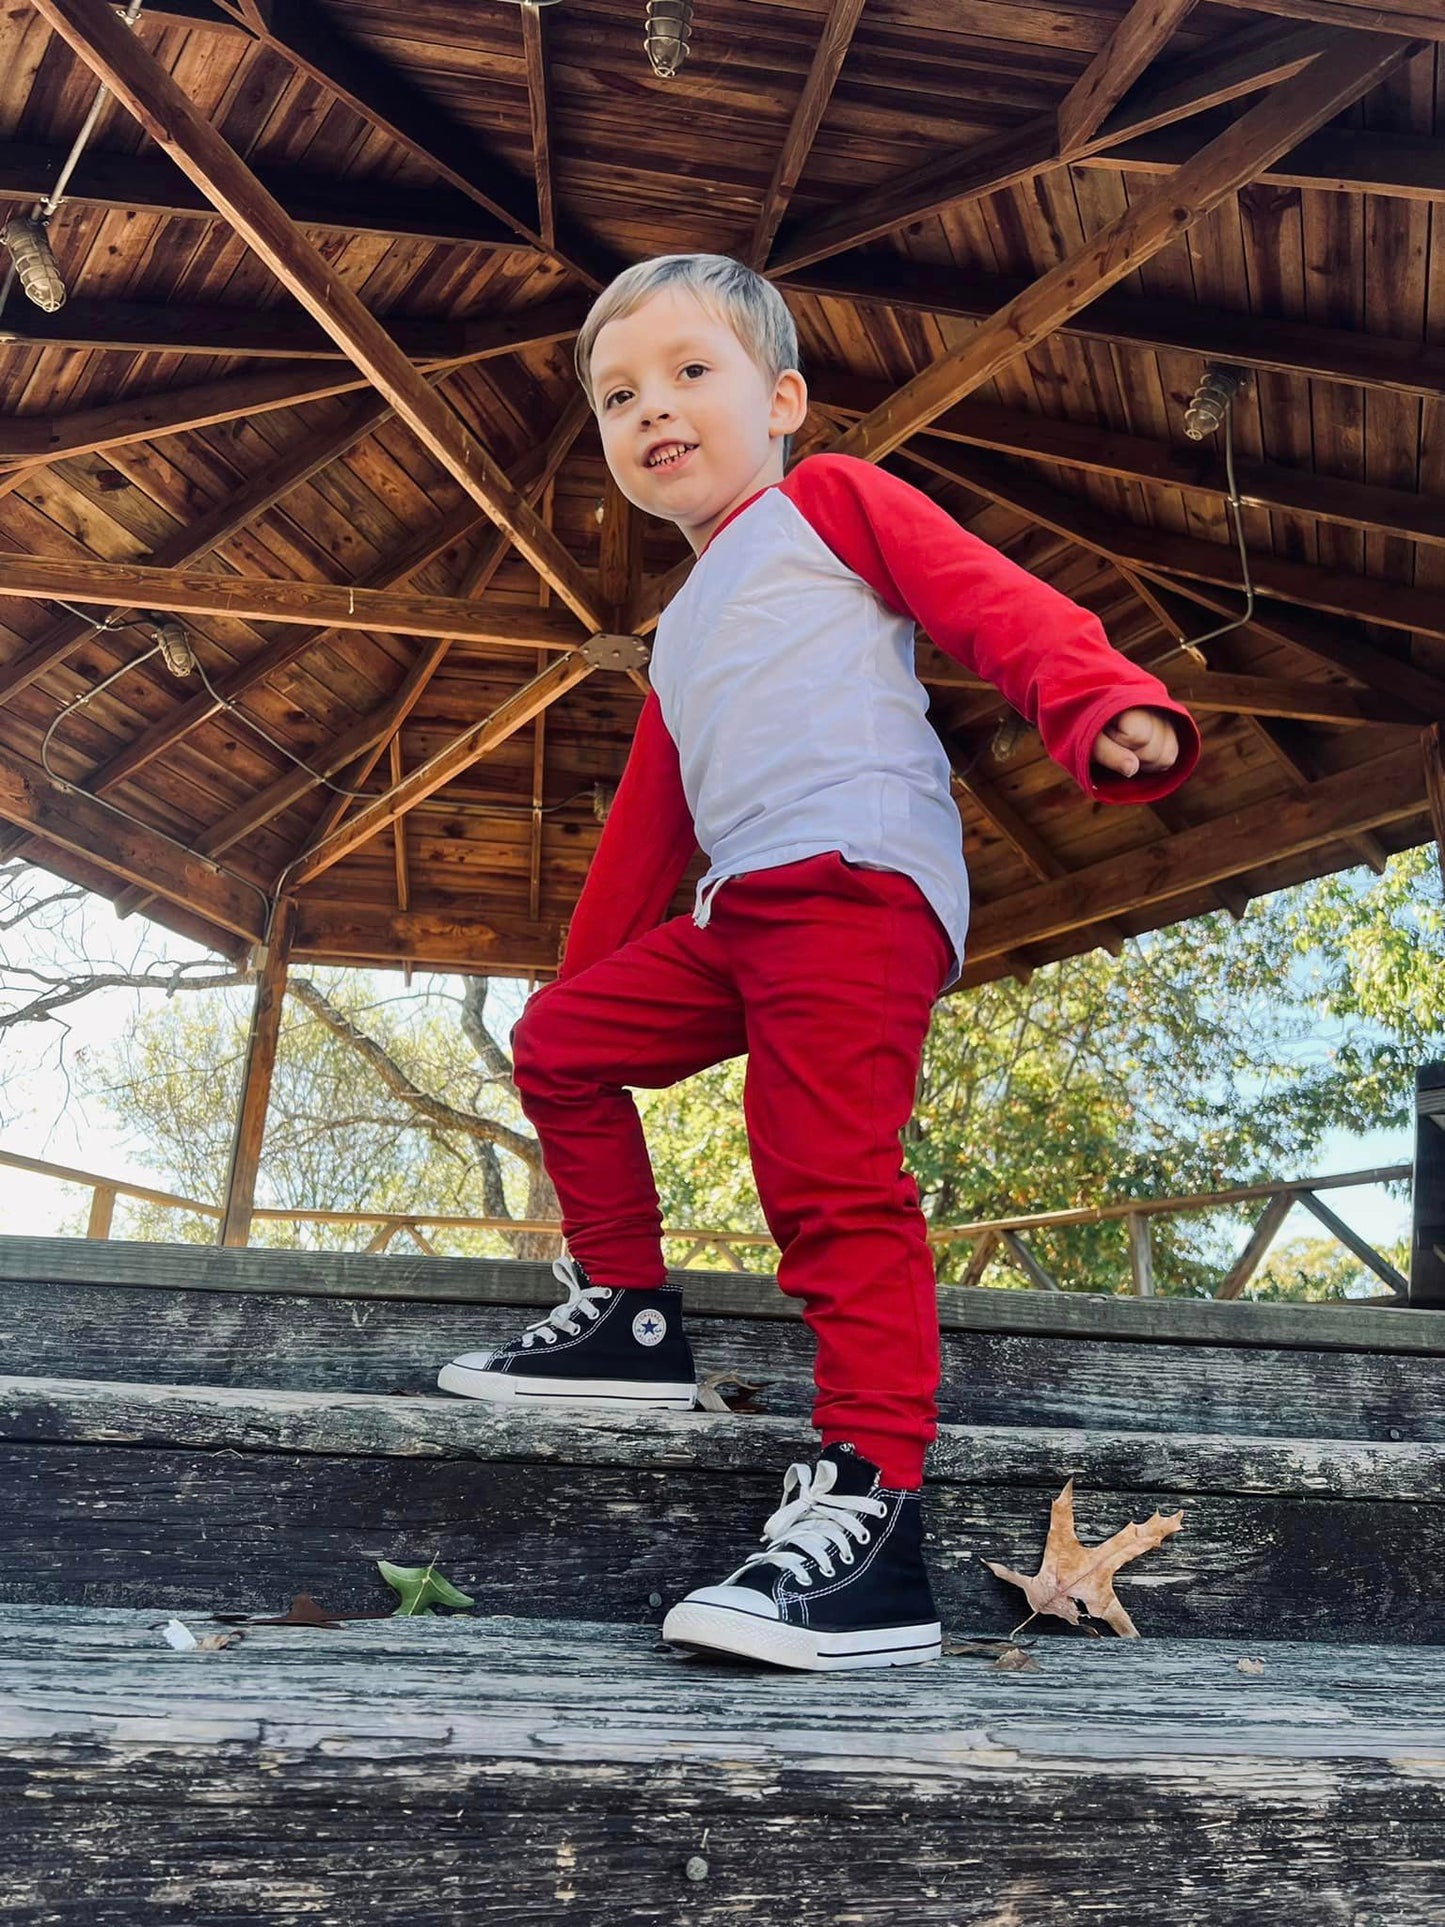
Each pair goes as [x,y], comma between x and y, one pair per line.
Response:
[420,1588]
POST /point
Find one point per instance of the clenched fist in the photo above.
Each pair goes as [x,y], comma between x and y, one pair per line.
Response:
[1137,739]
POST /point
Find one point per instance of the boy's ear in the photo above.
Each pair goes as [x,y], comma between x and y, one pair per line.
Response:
[790,403]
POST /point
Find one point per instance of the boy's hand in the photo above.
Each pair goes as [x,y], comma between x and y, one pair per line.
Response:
[1137,739]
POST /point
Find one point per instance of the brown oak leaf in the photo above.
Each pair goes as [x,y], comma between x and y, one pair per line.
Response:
[1073,1575]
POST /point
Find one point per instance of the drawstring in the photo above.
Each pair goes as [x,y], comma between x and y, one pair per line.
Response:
[702,910]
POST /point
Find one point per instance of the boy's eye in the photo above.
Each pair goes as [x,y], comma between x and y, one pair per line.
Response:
[618,394]
[695,368]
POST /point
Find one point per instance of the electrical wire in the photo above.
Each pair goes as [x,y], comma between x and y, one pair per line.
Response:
[1235,512]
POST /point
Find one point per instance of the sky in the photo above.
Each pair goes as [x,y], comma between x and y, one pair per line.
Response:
[42,1116]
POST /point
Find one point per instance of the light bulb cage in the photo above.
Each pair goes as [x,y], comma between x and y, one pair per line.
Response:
[35,263]
[668,35]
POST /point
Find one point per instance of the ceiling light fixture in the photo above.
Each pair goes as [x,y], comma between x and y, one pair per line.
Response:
[669,31]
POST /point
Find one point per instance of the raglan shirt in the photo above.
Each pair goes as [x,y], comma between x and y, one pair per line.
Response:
[786,717]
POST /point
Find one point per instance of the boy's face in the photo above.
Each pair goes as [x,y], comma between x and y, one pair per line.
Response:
[691,425]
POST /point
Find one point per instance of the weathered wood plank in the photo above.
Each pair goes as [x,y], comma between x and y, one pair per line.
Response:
[244,1527]
[518,1283]
[391,1345]
[208,1418]
[513,1769]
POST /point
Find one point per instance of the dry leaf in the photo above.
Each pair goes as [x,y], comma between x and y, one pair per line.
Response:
[1073,1575]
[710,1398]
[1015,1660]
[216,1642]
[982,1648]
[1251,1666]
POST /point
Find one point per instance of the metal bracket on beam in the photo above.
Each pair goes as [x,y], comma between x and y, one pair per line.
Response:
[606,651]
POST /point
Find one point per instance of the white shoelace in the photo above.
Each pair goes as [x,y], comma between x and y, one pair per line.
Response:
[582,1300]
[819,1523]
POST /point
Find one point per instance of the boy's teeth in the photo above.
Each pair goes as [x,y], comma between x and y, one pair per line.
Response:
[668,455]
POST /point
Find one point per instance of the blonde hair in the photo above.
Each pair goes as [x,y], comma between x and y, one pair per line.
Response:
[731,291]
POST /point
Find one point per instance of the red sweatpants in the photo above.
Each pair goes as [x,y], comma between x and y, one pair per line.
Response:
[825,974]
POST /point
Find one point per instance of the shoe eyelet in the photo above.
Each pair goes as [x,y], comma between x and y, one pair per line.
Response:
[845,1558]
[865,1537]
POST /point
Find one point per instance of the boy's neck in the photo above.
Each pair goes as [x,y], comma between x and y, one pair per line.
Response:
[768,477]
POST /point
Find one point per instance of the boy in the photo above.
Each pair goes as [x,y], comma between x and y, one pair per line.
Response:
[786,732]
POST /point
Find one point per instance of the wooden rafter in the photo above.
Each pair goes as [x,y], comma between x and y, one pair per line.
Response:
[827,64]
[70,820]
[1392,365]
[392,102]
[137,182]
[1345,160]
[1434,769]
[1036,856]
[427,778]
[352,756]
[1138,458]
[1420,18]
[1143,33]
[1250,62]
[309,456]
[115,585]
[1160,555]
[1387,790]
[534,52]
[1338,77]
[162,107]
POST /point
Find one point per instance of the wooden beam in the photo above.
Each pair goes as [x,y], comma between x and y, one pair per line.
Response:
[534,52]
[288,385]
[449,762]
[533,475]
[1095,450]
[1419,18]
[1213,692]
[342,204]
[1350,68]
[1251,61]
[1386,790]
[434,939]
[827,64]
[1027,844]
[259,1064]
[1345,160]
[310,454]
[1430,751]
[335,605]
[72,821]
[1143,33]
[118,58]
[1391,364]
[358,750]
[138,327]
[394,103]
[1260,1240]
[1141,1255]
[1159,556]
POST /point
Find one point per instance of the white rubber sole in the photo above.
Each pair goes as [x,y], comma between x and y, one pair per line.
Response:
[720,1629]
[501,1388]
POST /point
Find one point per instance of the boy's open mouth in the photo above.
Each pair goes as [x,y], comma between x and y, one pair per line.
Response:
[669,454]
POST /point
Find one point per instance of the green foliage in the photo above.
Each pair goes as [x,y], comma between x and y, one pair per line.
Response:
[1320,1270]
[421,1589]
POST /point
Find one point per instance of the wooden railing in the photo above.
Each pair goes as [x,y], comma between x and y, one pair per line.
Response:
[990,1237]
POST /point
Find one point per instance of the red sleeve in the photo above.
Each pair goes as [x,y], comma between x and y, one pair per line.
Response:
[1046,655]
[646,844]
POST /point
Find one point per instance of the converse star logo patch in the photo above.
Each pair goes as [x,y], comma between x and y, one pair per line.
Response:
[649,1328]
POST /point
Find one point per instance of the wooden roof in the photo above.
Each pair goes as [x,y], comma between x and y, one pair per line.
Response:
[380,541]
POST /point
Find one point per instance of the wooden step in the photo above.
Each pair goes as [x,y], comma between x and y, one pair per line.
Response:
[207,1498]
[522,1771]
[321,1322]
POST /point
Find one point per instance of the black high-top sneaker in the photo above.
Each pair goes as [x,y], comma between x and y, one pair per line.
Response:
[842,1583]
[603,1347]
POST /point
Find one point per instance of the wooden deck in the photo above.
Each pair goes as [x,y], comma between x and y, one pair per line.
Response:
[530,1770]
